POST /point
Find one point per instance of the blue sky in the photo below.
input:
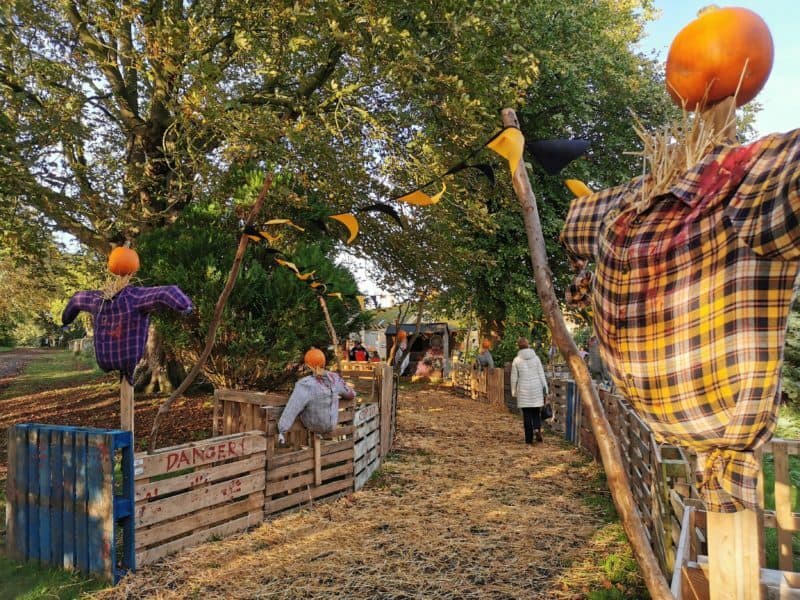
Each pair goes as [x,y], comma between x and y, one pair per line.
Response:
[780,97]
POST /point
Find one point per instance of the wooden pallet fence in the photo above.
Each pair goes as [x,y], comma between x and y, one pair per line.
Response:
[238,411]
[362,376]
[191,493]
[461,376]
[367,448]
[309,467]
[70,498]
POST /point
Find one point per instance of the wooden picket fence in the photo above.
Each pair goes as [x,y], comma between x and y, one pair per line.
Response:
[484,385]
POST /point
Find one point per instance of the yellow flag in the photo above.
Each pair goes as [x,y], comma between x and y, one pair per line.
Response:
[509,144]
[578,188]
[360,301]
[335,295]
[317,284]
[305,276]
[348,221]
[420,198]
[288,265]
[270,238]
[284,222]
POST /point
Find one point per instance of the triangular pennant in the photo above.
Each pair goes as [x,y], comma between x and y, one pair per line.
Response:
[554,155]
[484,168]
[420,198]
[348,221]
[385,209]
[361,300]
[509,144]
[284,222]
[306,276]
[577,187]
[288,265]
[335,295]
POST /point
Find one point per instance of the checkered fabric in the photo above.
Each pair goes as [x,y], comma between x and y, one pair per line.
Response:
[120,324]
[691,295]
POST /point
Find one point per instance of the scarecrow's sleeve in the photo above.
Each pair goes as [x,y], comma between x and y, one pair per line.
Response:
[585,218]
[765,210]
[300,397]
[85,301]
[164,297]
[342,389]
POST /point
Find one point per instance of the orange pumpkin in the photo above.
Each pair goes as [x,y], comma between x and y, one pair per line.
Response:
[711,53]
[123,261]
[486,344]
[314,358]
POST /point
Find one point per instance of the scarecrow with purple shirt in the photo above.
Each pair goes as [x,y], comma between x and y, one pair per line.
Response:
[121,313]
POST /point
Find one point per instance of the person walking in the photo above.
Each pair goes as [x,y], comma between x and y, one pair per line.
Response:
[529,387]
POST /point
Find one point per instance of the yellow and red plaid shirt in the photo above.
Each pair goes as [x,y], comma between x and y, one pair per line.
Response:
[691,295]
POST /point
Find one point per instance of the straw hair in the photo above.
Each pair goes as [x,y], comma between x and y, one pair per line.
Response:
[114,285]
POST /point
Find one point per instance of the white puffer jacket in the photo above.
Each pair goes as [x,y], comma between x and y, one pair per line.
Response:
[528,383]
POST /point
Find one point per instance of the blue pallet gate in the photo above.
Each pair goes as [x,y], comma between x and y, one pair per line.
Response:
[70,498]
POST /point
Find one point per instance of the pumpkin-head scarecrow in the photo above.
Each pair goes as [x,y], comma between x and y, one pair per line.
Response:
[121,313]
[695,261]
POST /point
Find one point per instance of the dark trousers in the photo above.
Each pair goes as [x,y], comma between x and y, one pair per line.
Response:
[532,417]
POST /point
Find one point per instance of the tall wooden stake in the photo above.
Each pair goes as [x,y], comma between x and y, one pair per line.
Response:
[609,449]
[334,338]
[126,409]
[220,306]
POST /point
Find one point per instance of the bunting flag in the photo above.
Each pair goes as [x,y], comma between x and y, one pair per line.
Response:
[361,301]
[420,198]
[293,267]
[485,168]
[577,187]
[509,144]
[284,222]
[348,221]
[335,295]
[385,209]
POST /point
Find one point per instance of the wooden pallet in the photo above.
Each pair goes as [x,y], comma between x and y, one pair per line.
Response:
[367,449]
[190,493]
[70,498]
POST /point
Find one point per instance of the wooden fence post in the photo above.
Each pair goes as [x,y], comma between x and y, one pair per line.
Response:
[126,408]
[733,555]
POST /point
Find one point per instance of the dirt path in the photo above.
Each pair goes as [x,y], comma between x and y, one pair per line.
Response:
[460,509]
[13,361]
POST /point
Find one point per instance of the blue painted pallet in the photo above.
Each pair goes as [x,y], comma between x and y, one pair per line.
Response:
[572,424]
[68,506]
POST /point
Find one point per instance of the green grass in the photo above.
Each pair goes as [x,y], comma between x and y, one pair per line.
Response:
[6,348]
[49,371]
[28,581]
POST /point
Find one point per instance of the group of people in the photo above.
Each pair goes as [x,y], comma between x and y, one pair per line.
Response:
[358,353]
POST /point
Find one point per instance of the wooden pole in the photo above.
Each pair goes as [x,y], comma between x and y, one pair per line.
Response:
[126,409]
[733,556]
[331,331]
[220,306]
[609,449]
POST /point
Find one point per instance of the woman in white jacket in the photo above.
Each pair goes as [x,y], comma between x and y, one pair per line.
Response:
[529,387]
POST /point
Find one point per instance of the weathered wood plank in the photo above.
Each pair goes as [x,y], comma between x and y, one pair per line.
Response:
[305,496]
[154,489]
[148,556]
[197,454]
[181,504]
[149,536]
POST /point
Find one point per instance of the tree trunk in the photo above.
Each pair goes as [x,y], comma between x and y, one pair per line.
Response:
[607,443]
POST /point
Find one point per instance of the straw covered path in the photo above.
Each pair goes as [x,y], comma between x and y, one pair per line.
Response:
[461,508]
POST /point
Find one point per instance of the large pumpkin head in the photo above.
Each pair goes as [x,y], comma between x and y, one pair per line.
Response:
[713,51]
[314,359]
[123,261]
[486,344]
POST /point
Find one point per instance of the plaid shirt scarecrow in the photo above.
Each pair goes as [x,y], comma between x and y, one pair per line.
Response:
[691,295]
[120,323]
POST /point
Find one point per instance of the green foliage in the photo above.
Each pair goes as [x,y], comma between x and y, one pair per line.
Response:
[271,317]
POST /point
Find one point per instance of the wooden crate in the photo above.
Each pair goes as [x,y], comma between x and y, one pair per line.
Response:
[70,498]
[190,493]
[367,448]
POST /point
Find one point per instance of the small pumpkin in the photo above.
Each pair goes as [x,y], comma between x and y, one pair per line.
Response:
[123,261]
[401,335]
[315,359]
[711,53]
[486,344]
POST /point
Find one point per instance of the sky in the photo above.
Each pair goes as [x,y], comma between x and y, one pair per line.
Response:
[780,97]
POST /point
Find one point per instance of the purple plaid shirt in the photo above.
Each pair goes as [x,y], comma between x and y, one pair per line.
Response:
[120,324]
